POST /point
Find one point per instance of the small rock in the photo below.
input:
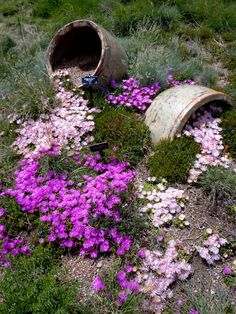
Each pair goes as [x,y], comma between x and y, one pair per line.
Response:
[99,264]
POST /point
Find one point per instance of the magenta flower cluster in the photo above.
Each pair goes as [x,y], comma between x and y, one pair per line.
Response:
[126,284]
[172,82]
[73,211]
[9,247]
[131,94]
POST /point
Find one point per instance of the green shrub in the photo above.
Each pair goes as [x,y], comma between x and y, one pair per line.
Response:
[44,8]
[9,8]
[229,130]
[219,183]
[173,159]
[123,130]
[6,43]
[33,286]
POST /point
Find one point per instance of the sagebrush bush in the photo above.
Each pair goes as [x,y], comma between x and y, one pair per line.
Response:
[34,285]
[121,129]
[153,61]
[173,159]
[219,183]
[229,130]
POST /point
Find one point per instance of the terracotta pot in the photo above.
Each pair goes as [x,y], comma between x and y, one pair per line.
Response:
[171,109]
[85,48]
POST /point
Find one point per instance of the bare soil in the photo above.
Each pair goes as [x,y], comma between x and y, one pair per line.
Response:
[79,66]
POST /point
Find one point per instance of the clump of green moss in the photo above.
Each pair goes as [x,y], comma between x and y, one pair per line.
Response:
[229,130]
[173,159]
[127,137]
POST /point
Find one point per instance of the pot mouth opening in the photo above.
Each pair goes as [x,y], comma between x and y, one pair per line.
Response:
[77,51]
[225,104]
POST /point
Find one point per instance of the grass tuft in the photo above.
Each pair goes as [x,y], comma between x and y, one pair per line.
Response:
[219,183]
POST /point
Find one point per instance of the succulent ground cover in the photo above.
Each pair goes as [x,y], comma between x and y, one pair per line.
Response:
[84,232]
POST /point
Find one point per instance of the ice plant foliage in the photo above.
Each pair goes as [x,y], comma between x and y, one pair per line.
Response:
[67,124]
[205,129]
[73,211]
[131,94]
[158,271]
[9,247]
[210,251]
[162,202]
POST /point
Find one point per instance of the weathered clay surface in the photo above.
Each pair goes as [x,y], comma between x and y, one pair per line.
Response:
[171,109]
[68,48]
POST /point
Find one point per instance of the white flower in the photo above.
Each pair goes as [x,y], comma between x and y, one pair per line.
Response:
[209,231]
[182,217]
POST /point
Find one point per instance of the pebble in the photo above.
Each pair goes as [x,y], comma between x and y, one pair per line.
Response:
[99,264]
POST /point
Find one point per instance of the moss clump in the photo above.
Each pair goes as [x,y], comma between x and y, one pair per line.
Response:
[173,159]
[229,130]
[121,129]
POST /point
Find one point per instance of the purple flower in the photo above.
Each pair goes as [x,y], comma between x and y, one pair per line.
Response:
[121,275]
[104,247]
[141,253]
[180,302]
[160,238]
[133,285]
[193,311]
[227,271]
[122,297]
[24,249]
[6,264]
[2,212]
[98,284]
[120,251]
[129,268]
